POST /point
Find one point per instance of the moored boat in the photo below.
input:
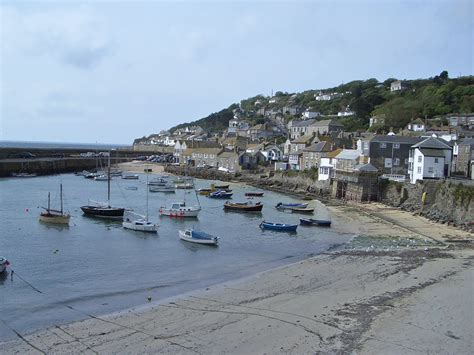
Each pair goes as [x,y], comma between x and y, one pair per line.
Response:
[243,206]
[190,235]
[184,185]
[221,194]
[3,264]
[281,227]
[101,178]
[163,188]
[219,186]
[24,175]
[55,216]
[291,205]
[130,176]
[180,210]
[315,222]
[254,194]
[204,192]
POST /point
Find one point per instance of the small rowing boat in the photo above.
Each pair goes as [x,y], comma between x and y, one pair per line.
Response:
[190,235]
[219,186]
[243,206]
[280,227]
[254,194]
[315,222]
[221,194]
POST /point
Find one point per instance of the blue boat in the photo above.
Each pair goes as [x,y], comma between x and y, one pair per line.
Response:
[282,227]
[282,205]
[220,194]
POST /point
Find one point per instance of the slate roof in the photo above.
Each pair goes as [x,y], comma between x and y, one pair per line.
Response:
[467,141]
[349,154]
[432,143]
[318,147]
[304,123]
[303,139]
[396,139]
[327,123]
[432,152]
[366,167]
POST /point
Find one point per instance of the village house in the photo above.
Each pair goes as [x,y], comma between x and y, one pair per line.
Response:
[390,153]
[200,156]
[326,167]
[354,178]
[397,85]
[416,126]
[299,128]
[430,159]
[455,120]
[294,160]
[378,120]
[292,110]
[301,143]
[181,146]
[251,161]
[464,155]
[272,153]
[312,155]
[309,114]
[324,127]
[229,160]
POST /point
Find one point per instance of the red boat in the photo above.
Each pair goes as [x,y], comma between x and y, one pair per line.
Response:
[254,194]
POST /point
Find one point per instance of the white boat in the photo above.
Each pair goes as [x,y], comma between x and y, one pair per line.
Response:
[24,175]
[138,223]
[55,216]
[158,182]
[101,178]
[3,264]
[184,185]
[130,176]
[164,188]
[179,209]
[190,235]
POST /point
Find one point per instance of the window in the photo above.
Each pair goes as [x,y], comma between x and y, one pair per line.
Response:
[383,145]
[396,162]
[436,160]
[396,145]
[388,162]
[406,161]
[419,170]
[420,158]
[430,170]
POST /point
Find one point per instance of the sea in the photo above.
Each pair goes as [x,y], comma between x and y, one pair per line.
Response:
[56,145]
[95,267]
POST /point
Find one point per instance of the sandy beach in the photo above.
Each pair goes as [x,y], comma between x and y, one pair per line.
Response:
[417,299]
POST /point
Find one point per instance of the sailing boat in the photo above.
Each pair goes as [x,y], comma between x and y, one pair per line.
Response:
[101,209]
[55,216]
[180,209]
[136,222]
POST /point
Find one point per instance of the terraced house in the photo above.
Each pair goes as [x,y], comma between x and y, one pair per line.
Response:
[201,156]
[311,156]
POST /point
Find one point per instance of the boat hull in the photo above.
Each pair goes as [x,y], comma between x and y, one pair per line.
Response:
[178,213]
[3,264]
[279,227]
[243,207]
[186,238]
[315,222]
[55,219]
[148,228]
[103,212]
[254,194]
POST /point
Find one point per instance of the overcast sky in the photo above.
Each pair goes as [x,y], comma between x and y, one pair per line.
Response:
[109,72]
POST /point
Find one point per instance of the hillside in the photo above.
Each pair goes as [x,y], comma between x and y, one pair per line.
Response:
[436,96]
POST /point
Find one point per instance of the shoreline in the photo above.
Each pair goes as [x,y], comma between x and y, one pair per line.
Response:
[341,300]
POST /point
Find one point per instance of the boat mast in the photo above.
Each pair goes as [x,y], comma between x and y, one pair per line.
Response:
[49,201]
[108,181]
[147,188]
[61,196]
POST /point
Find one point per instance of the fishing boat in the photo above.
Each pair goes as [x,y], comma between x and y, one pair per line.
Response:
[130,176]
[116,173]
[180,210]
[243,206]
[254,194]
[158,182]
[190,235]
[281,227]
[219,186]
[204,192]
[104,210]
[137,222]
[90,175]
[221,194]
[163,188]
[3,264]
[55,216]
[315,222]
[291,209]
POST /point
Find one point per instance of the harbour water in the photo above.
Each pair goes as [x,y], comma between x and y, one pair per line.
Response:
[96,267]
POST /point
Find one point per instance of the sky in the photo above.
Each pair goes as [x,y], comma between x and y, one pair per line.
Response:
[109,72]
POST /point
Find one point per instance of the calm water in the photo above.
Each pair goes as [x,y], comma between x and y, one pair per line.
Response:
[97,267]
[55,145]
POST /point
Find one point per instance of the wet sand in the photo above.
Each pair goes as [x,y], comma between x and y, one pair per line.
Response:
[352,300]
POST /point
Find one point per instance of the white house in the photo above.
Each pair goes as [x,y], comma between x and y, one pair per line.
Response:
[325,169]
[308,114]
[272,153]
[396,85]
[429,159]
[416,126]
[294,160]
